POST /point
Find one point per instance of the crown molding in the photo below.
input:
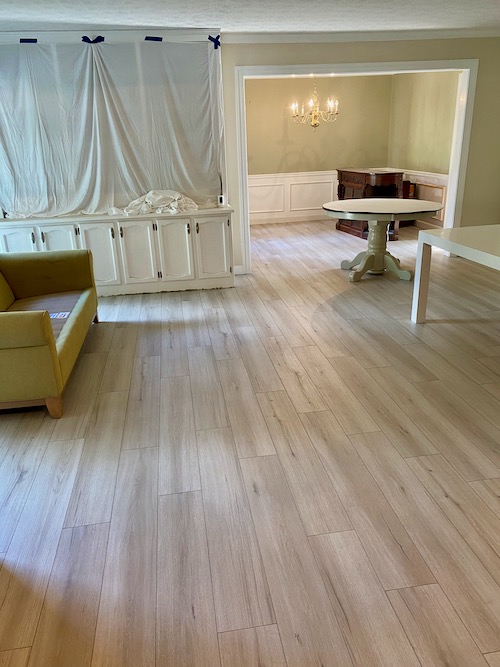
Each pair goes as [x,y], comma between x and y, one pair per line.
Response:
[327,37]
[137,34]
[111,36]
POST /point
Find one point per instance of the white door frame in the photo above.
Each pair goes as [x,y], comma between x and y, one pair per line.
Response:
[461,130]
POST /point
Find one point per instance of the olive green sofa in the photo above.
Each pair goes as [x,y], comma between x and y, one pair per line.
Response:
[48,301]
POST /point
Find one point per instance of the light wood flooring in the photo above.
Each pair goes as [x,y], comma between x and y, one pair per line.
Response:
[285,473]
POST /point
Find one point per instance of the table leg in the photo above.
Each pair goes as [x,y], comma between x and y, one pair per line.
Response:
[350,264]
[377,244]
[366,265]
[392,264]
[376,259]
[421,285]
[372,259]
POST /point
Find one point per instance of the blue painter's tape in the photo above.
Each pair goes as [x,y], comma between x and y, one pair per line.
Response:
[28,40]
[87,40]
[215,40]
[148,38]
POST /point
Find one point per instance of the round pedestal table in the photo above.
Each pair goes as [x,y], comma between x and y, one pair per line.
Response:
[379,212]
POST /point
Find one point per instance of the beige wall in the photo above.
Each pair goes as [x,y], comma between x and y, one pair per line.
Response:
[482,195]
[404,120]
[421,124]
[358,138]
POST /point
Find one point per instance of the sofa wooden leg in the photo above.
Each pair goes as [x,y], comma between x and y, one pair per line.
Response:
[54,406]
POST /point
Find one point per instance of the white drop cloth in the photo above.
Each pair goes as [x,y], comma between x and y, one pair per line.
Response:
[88,127]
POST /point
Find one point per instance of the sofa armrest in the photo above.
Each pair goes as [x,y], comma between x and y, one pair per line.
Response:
[30,328]
[29,364]
[33,274]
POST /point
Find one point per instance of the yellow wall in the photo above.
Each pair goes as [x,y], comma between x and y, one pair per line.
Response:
[404,121]
[421,125]
[482,195]
[358,138]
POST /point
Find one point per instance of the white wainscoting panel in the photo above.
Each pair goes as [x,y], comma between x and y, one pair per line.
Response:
[301,195]
[295,196]
[429,186]
[267,198]
[305,196]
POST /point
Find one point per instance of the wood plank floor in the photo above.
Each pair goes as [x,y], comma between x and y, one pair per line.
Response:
[289,473]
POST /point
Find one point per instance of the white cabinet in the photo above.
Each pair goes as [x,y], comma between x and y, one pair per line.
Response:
[148,254]
[175,248]
[213,247]
[19,238]
[138,250]
[100,238]
[58,237]
[33,238]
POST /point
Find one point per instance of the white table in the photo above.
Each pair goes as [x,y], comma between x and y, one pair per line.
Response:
[478,244]
[379,212]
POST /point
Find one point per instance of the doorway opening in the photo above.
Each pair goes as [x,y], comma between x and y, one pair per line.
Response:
[467,74]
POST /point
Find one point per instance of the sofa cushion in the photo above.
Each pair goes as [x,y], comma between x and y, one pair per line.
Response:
[58,305]
[6,294]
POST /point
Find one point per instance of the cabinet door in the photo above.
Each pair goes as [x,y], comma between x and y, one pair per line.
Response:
[138,251]
[100,239]
[175,249]
[213,247]
[18,238]
[58,237]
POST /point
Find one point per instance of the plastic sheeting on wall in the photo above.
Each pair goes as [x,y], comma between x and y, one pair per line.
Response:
[84,128]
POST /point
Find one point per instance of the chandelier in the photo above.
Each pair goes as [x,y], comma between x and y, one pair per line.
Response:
[311,112]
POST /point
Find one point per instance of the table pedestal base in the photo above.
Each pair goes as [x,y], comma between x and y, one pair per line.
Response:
[376,259]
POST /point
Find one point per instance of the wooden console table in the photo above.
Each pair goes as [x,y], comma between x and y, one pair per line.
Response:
[363,183]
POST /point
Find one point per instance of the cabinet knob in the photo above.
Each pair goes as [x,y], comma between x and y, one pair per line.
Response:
[197,227]
[33,237]
[189,228]
[112,232]
[43,237]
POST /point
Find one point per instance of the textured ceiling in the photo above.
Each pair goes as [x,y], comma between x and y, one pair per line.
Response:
[250,16]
